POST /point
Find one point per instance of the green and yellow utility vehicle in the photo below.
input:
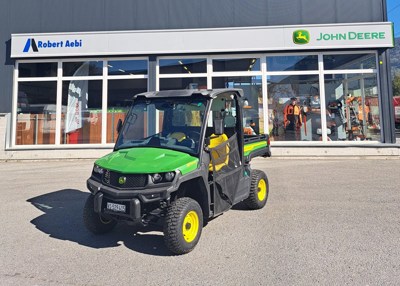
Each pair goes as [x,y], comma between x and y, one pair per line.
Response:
[181,158]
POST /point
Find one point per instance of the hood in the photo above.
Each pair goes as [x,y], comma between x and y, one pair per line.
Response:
[148,161]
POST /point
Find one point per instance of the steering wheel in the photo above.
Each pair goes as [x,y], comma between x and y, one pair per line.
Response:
[193,135]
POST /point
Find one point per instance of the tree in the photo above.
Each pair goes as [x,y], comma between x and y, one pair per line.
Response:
[396,84]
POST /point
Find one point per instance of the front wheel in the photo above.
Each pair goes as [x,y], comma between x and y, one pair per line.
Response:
[259,190]
[183,225]
[93,221]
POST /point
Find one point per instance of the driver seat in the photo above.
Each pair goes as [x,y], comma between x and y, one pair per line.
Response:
[219,155]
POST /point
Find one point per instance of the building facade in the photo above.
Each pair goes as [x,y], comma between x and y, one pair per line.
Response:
[315,73]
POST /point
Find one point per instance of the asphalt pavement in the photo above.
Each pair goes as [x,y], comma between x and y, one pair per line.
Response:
[326,222]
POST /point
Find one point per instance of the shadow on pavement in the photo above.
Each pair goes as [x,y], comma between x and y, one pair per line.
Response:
[62,219]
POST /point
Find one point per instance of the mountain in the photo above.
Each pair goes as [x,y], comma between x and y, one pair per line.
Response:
[395,57]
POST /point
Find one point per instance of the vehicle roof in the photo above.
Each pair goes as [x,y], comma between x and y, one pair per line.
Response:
[210,93]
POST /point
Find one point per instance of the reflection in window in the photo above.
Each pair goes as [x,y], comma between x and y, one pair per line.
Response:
[351,61]
[37,69]
[36,113]
[127,67]
[292,63]
[185,66]
[83,68]
[294,108]
[228,65]
[252,88]
[81,112]
[183,83]
[120,93]
[352,102]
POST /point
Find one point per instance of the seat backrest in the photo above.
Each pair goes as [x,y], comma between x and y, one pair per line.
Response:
[220,156]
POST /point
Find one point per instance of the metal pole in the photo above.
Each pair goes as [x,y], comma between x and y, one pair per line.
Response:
[35,131]
[112,125]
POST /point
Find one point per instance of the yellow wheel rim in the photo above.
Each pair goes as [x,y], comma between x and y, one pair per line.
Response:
[262,190]
[190,226]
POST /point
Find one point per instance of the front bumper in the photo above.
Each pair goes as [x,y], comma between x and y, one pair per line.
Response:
[132,206]
[136,202]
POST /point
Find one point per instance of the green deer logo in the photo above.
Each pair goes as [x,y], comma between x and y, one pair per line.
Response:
[122,180]
[301,37]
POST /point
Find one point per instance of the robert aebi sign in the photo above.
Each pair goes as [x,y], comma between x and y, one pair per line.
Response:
[37,45]
[60,44]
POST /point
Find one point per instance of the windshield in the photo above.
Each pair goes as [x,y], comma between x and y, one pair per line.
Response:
[171,123]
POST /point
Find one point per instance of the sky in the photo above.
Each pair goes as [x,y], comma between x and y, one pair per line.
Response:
[393,8]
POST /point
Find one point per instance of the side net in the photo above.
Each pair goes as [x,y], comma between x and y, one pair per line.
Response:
[226,168]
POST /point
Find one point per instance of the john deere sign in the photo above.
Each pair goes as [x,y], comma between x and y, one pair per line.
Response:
[302,37]
[352,36]
[343,36]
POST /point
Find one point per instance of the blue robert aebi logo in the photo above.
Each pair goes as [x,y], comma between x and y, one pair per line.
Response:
[30,43]
[51,44]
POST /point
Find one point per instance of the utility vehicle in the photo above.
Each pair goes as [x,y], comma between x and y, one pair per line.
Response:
[181,158]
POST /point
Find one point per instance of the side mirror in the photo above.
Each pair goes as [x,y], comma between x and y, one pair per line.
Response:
[119,125]
[218,126]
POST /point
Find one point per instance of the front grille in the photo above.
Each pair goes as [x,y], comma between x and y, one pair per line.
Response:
[124,181]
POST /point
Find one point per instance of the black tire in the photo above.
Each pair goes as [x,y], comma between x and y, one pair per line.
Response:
[259,190]
[181,237]
[93,221]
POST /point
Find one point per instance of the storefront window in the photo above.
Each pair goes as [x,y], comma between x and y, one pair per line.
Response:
[91,68]
[353,105]
[183,83]
[231,65]
[81,112]
[292,63]
[36,113]
[127,67]
[183,66]
[81,85]
[37,69]
[293,95]
[294,108]
[252,88]
[120,93]
[349,61]
[396,105]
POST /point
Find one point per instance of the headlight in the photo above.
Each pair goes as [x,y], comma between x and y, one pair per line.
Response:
[162,177]
[98,170]
[169,176]
[157,178]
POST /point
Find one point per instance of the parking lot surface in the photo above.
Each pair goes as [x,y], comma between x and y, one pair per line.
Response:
[327,222]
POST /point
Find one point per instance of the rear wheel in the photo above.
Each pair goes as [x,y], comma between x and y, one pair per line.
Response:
[93,221]
[183,225]
[259,189]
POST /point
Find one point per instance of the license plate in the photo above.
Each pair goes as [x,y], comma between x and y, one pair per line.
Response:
[116,207]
